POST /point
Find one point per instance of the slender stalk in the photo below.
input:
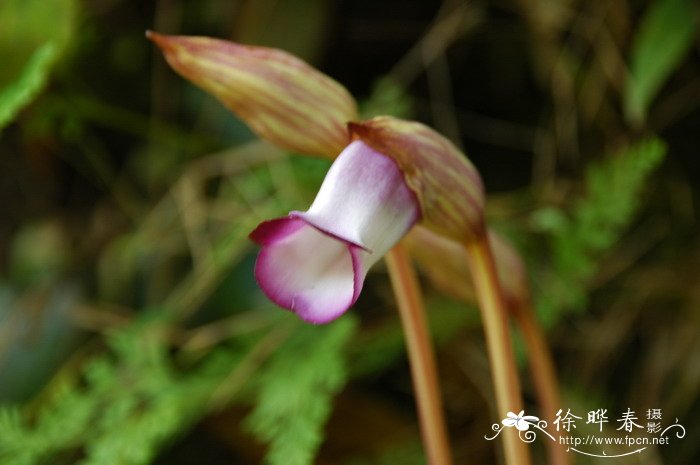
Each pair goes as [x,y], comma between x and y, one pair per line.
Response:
[498,342]
[543,373]
[420,355]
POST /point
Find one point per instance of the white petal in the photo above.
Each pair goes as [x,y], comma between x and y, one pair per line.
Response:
[364,200]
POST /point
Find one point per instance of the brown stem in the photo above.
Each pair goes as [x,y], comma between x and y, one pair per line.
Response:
[498,342]
[421,356]
[543,372]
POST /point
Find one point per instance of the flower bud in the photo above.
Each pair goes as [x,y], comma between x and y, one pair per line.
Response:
[281,97]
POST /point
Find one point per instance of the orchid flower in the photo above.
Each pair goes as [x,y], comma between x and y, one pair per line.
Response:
[314,262]
[388,175]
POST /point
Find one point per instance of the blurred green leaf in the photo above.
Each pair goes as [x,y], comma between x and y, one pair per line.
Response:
[32,78]
[33,36]
[664,37]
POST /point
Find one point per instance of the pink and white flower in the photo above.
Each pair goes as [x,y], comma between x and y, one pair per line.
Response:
[314,263]
[394,173]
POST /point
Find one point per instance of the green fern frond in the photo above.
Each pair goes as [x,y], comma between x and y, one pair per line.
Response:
[296,392]
[577,241]
[123,406]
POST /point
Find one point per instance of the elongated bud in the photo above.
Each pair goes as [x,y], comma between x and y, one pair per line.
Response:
[448,187]
[281,97]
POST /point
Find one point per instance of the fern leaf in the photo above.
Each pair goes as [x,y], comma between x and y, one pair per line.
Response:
[296,392]
[578,240]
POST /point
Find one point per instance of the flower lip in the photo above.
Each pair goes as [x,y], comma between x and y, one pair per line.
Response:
[264,232]
[267,232]
[324,286]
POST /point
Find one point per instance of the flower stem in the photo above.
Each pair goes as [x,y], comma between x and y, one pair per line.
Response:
[420,355]
[498,342]
[543,372]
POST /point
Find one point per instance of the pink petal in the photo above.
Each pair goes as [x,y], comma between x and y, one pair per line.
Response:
[307,271]
[314,262]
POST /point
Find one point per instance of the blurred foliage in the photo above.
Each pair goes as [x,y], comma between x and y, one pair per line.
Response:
[664,38]
[33,36]
[579,238]
[129,317]
[119,407]
[295,399]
